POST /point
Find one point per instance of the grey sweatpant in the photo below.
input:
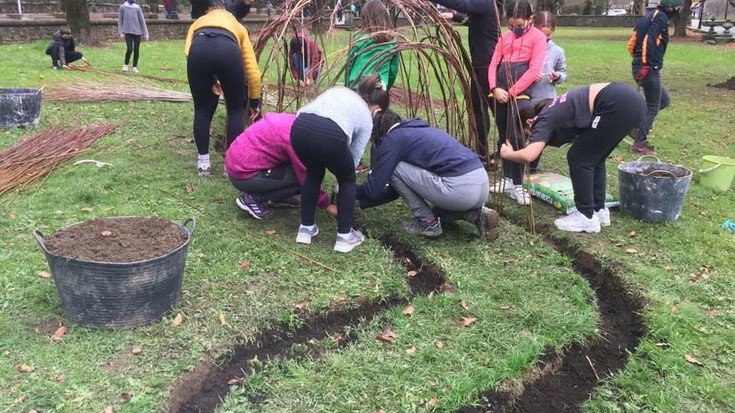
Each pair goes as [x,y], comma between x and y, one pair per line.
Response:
[422,190]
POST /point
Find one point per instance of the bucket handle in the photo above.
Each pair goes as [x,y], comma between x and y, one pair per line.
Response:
[193,225]
[704,171]
[39,239]
[663,171]
[650,156]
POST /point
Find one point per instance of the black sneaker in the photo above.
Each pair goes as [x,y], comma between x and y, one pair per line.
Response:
[252,206]
[290,202]
[423,228]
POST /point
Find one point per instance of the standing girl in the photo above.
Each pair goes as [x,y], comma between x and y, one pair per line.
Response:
[331,132]
[515,65]
[554,71]
[219,55]
[594,119]
[131,26]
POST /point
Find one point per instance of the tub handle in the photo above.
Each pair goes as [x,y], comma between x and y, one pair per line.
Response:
[193,225]
[649,156]
[39,239]
[673,175]
[704,171]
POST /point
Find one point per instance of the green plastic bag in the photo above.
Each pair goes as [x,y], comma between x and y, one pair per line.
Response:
[557,190]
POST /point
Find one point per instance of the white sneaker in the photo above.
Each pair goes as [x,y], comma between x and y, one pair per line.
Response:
[203,168]
[135,70]
[348,244]
[604,216]
[125,68]
[577,222]
[305,235]
[520,194]
[501,186]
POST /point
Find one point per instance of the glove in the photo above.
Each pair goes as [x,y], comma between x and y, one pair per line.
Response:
[641,73]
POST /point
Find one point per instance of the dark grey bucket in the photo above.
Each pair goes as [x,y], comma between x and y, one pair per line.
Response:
[119,295]
[20,107]
[653,191]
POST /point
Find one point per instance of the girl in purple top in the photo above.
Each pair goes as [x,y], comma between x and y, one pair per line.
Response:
[263,165]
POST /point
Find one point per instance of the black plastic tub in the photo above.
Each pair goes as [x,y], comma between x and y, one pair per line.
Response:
[653,191]
[119,295]
[20,107]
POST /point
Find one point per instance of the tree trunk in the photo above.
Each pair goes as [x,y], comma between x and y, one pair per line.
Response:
[680,21]
[152,6]
[77,17]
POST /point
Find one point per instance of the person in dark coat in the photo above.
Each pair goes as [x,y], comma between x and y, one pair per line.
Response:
[62,49]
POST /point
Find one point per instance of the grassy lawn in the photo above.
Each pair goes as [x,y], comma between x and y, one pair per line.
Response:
[524,296]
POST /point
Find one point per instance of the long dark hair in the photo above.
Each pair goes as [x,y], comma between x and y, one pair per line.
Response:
[374,17]
[519,9]
[373,92]
[382,122]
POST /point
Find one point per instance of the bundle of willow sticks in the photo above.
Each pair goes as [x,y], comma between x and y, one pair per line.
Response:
[113,92]
[34,158]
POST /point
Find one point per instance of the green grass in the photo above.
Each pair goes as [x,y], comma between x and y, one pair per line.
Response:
[153,174]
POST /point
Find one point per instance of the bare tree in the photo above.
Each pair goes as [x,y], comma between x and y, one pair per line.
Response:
[680,20]
[77,17]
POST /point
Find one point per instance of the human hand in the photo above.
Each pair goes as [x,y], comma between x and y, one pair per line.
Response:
[217,88]
[641,73]
[540,77]
[501,95]
[554,76]
[506,149]
[308,81]
[332,211]
[254,114]
[66,67]
[122,36]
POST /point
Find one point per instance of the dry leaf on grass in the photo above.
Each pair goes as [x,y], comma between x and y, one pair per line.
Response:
[388,336]
[233,382]
[126,395]
[87,209]
[464,304]
[431,403]
[468,321]
[244,264]
[302,305]
[663,344]
[136,350]
[106,233]
[221,319]
[674,309]
[711,311]
[439,344]
[632,234]
[108,409]
[411,350]
[271,232]
[692,360]
[506,308]
[178,320]
[631,250]
[44,274]
[408,310]
[60,378]
[24,368]
[59,333]
[411,273]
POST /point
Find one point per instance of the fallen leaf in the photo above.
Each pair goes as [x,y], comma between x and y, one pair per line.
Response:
[178,320]
[446,387]
[711,311]
[271,231]
[12,216]
[411,350]
[439,344]
[136,350]
[663,344]
[506,308]
[408,310]
[431,403]
[412,273]
[59,333]
[244,264]
[106,233]
[221,319]
[20,399]
[60,378]
[704,213]
[631,250]
[617,158]
[107,409]
[189,189]
[87,209]
[233,382]
[468,321]
[692,360]
[632,234]
[126,395]
[44,274]
[674,309]
[201,255]
[301,305]
[525,332]
[388,336]
[444,255]
[24,368]
[463,304]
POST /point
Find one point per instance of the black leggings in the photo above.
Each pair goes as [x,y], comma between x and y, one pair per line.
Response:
[321,144]
[213,58]
[618,108]
[69,56]
[273,184]
[133,46]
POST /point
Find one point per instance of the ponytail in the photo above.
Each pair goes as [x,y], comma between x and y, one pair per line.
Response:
[372,90]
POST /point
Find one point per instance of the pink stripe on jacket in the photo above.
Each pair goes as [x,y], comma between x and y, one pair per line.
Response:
[264,145]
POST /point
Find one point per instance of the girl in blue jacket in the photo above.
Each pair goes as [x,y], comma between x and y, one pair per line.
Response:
[439,179]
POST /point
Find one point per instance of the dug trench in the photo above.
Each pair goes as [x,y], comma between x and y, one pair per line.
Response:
[561,382]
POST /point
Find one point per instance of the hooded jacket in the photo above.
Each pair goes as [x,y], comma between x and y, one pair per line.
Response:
[647,44]
[415,142]
[64,45]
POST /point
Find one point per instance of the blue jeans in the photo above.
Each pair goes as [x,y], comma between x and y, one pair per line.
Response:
[657,98]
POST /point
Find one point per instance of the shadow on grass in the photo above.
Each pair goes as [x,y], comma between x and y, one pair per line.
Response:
[560,382]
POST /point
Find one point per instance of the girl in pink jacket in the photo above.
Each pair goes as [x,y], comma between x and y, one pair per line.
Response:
[262,164]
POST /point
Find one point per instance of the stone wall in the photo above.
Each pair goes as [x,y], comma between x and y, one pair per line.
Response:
[11,7]
[597,21]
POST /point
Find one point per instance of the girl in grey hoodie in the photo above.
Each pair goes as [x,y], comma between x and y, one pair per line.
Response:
[131,26]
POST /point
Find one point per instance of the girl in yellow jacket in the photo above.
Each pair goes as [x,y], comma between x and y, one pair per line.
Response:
[219,56]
